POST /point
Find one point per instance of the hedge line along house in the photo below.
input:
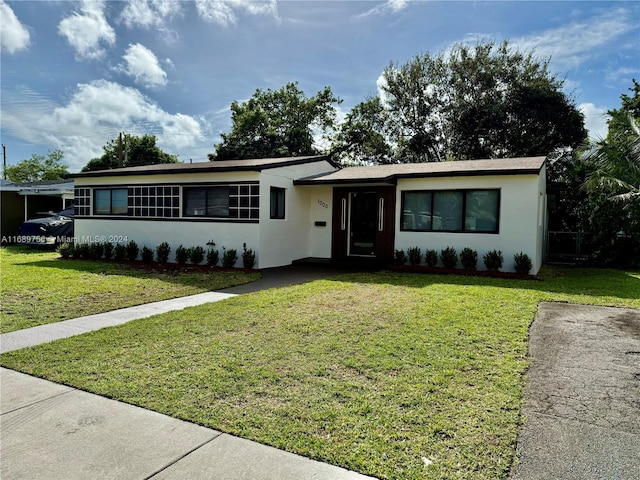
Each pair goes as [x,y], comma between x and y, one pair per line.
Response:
[289,209]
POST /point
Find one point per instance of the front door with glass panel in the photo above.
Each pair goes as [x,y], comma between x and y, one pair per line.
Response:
[363,223]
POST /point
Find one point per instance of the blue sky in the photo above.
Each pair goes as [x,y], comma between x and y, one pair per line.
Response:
[75,74]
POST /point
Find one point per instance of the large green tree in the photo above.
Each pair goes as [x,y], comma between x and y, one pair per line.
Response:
[277,123]
[38,167]
[130,151]
[482,101]
[362,135]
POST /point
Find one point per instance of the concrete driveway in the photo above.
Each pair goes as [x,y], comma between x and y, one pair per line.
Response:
[583,395]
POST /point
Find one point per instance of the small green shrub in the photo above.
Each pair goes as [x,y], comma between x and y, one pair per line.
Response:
[431,257]
[83,250]
[162,252]
[213,256]
[229,257]
[522,263]
[449,257]
[196,255]
[132,250]
[248,257]
[182,254]
[64,250]
[97,250]
[469,258]
[415,255]
[120,251]
[399,257]
[107,247]
[493,260]
[146,254]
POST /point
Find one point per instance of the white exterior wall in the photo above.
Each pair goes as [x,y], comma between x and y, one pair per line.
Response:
[276,242]
[294,237]
[521,218]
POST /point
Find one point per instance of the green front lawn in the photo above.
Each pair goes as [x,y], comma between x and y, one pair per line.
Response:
[37,287]
[370,372]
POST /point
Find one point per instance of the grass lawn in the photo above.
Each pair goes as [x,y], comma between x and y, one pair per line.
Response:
[37,287]
[368,371]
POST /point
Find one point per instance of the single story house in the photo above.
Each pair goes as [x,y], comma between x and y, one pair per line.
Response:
[287,209]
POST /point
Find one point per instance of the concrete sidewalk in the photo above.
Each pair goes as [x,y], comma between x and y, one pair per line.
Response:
[50,431]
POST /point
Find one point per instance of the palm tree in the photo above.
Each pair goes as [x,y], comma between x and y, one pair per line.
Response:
[616,162]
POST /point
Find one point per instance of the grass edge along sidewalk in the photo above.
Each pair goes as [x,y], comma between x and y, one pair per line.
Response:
[370,372]
[37,287]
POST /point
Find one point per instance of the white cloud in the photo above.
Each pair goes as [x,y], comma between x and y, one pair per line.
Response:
[390,6]
[225,12]
[95,114]
[572,44]
[143,66]
[13,35]
[623,73]
[87,30]
[595,120]
[149,13]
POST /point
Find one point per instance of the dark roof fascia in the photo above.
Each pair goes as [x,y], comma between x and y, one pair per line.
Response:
[393,179]
[471,173]
[346,181]
[115,172]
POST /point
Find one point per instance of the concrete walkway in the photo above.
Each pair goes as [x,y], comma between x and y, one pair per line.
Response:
[68,328]
[51,431]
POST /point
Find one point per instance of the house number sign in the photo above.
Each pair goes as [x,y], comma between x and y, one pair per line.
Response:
[323,204]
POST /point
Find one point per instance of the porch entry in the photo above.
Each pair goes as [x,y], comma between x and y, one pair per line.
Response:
[363,223]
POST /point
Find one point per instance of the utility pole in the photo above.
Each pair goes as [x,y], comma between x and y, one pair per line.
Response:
[4,161]
[120,163]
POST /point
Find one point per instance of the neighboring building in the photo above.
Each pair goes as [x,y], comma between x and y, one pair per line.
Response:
[23,201]
[288,209]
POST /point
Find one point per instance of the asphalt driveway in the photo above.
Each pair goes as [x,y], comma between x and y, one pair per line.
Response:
[582,402]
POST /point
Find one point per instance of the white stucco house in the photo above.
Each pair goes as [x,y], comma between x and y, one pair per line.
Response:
[287,209]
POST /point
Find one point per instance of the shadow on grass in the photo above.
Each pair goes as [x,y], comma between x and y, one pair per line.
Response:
[194,276]
[552,280]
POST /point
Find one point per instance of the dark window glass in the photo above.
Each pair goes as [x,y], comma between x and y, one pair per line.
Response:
[277,199]
[481,214]
[447,210]
[111,202]
[416,213]
[206,202]
[451,210]
[244,189]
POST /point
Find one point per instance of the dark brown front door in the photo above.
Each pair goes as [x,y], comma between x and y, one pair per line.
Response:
[363,223]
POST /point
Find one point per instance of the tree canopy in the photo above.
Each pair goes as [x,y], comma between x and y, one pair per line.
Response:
[130,151]
[599,188]
[277,123]
[38,167]
[482,101]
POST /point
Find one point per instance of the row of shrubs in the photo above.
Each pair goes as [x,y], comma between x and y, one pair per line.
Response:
[493,259]
[130,251]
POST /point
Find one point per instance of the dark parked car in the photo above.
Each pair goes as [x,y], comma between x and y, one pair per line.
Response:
[50,230]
